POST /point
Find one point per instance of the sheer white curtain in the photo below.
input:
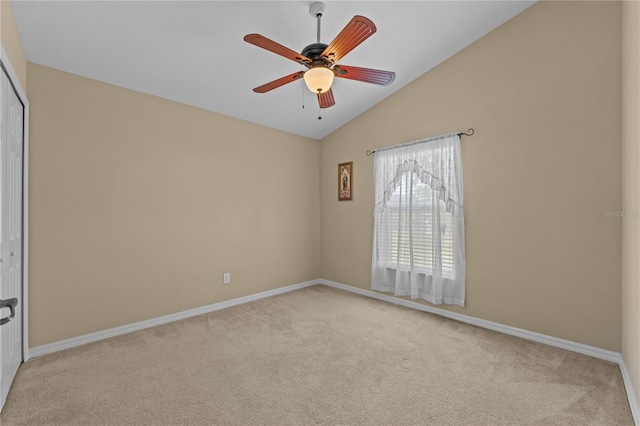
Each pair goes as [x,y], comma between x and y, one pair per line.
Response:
[418,243]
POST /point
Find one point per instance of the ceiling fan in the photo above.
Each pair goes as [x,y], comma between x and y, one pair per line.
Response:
[320,59]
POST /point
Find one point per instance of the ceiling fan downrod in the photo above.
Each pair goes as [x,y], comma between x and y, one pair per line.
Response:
[317,10]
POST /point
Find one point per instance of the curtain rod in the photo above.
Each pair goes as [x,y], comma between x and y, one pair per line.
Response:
[468,133]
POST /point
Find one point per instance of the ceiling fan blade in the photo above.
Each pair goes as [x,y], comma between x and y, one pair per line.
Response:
[272,46]
[368,75]
[326,99]
[355,32]
[279,82]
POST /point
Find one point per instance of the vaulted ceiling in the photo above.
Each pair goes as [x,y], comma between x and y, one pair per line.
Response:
[193,51]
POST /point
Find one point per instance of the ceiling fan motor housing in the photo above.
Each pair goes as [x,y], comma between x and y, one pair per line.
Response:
[313,51]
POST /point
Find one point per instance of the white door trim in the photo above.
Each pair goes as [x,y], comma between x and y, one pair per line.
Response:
[4,59]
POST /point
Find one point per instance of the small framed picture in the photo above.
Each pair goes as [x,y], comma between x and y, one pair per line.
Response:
[345,181]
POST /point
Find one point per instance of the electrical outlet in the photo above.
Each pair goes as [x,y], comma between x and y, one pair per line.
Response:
[226,278]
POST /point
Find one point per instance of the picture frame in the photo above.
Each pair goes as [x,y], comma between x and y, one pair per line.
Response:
[345,181]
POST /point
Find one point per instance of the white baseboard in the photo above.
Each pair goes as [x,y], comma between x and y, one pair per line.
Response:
[631,395]
[593,351]
[569,345]
[506,329]
[117,331]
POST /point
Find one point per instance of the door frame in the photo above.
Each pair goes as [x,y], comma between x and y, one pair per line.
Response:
[22,95]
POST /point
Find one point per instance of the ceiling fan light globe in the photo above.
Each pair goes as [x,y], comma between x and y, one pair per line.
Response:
[319,79]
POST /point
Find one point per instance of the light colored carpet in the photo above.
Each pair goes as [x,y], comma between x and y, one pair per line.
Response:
[317,356]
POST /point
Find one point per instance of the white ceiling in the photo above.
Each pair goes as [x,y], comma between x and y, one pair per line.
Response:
[193,51]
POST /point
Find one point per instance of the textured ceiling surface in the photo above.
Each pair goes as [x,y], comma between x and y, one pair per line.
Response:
[193,51]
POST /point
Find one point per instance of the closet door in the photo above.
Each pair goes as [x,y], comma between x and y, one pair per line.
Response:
[11,152]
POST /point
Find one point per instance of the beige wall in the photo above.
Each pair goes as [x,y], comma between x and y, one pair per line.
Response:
[631,191]
[543,92]
[11,42]
[139,205]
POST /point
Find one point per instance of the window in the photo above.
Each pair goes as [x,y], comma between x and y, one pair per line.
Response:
[414,236]
[419,222]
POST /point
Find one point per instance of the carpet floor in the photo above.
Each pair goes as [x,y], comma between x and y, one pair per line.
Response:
[317,356]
